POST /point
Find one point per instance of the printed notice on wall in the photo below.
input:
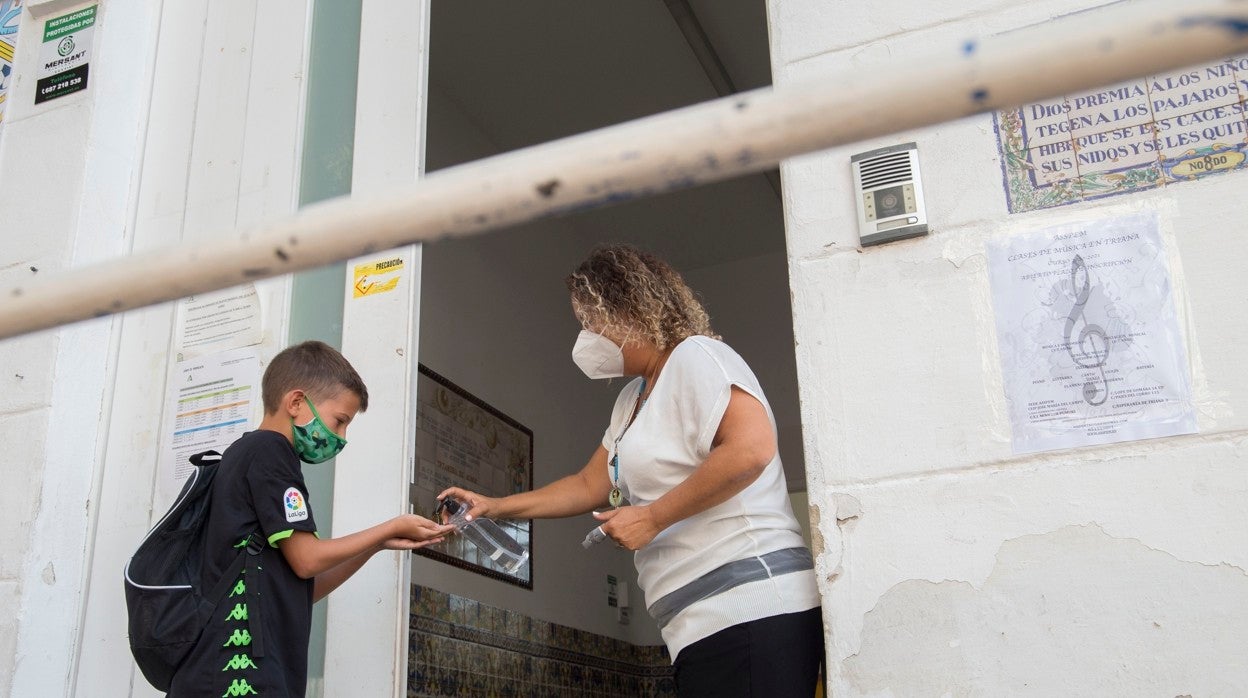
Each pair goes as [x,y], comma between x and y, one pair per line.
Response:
[210,405]
[65,54]
[1091,351]
[218,321]
[1142,134]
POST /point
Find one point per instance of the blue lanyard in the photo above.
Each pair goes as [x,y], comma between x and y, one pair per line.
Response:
[616,497]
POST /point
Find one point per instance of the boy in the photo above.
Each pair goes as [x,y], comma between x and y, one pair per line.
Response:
[311,393]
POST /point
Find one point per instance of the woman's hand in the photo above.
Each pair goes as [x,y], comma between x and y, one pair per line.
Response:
[630,527]
[478,505]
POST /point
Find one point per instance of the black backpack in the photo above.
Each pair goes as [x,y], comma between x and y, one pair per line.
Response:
[167,607]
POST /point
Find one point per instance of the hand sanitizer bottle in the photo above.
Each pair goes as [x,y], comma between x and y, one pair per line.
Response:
[489,537]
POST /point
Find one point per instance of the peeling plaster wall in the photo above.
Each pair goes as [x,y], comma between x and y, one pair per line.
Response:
[948,565]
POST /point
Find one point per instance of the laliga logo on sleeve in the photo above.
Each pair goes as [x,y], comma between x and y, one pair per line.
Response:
[296,508]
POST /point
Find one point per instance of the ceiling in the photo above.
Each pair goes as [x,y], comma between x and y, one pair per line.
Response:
[525,73]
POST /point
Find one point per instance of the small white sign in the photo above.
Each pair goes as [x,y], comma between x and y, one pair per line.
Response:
[64,54]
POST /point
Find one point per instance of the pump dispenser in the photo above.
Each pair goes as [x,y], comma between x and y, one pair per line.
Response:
[489,537]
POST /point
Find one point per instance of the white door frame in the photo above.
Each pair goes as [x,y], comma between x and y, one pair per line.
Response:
[367,627]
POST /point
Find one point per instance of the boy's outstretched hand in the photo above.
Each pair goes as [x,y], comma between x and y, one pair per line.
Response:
[412,532]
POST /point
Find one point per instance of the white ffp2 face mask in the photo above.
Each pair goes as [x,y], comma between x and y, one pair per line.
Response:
[597,356]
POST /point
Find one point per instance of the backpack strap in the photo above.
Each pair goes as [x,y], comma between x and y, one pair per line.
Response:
[205,458]
[255,543]
[248,558]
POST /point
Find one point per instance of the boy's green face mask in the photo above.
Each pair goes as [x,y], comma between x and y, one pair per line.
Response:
[314,442]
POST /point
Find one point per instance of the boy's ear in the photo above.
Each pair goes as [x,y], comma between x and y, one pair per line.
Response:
[291,402]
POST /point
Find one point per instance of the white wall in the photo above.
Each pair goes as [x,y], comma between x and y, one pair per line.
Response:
[220,152]
[948,565]
[190,127]
[66,168]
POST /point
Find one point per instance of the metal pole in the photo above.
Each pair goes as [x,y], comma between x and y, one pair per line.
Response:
[709,142]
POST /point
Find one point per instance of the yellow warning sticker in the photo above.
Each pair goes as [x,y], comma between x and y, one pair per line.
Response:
[378,277]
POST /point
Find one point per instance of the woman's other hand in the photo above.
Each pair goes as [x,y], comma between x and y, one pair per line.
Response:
[630,527]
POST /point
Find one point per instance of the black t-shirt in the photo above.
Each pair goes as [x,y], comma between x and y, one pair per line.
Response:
[259,485]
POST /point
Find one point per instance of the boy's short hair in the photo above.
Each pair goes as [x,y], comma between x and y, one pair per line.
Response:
[313,367]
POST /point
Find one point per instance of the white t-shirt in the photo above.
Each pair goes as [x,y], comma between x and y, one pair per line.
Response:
[670,437]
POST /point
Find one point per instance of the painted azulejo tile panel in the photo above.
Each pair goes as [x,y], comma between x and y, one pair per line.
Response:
[459,647]
[1131,136]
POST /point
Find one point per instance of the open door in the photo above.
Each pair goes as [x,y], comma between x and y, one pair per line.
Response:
[366,634]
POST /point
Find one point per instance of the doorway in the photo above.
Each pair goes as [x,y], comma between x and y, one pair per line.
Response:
[495,317]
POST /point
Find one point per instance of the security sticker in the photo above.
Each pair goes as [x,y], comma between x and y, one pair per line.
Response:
[377,277]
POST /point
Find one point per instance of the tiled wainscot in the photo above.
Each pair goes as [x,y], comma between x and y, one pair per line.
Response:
[458,647]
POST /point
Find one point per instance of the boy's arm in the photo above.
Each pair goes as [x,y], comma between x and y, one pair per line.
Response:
[310,556]
[333,578]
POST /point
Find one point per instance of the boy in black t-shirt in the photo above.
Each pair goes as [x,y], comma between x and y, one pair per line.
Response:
[311,393]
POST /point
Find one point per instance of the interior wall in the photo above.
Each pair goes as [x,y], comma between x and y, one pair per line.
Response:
[748,302]
[496,320]
[949,565]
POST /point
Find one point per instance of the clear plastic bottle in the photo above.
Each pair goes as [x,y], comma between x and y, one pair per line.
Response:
[489,537]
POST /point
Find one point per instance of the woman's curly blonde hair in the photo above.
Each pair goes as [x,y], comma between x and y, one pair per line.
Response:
[622,289]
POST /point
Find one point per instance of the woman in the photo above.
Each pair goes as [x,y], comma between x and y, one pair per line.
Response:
[691,447]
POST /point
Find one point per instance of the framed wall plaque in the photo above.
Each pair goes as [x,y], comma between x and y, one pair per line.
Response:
[461,441]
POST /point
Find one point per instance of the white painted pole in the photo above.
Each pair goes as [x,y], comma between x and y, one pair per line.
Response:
[709,142]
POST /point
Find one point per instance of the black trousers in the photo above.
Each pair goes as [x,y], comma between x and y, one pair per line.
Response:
[776,657]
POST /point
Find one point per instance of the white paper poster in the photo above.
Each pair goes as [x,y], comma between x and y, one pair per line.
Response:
[211,401]
[1091,351]
[218,321]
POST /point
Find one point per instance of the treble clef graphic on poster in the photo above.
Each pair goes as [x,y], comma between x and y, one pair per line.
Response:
[1090,349]
[1089,340]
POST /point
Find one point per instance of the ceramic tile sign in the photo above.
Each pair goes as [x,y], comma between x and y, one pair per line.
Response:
[1134,135]
[64,55]
[1091,351]
[10,18]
